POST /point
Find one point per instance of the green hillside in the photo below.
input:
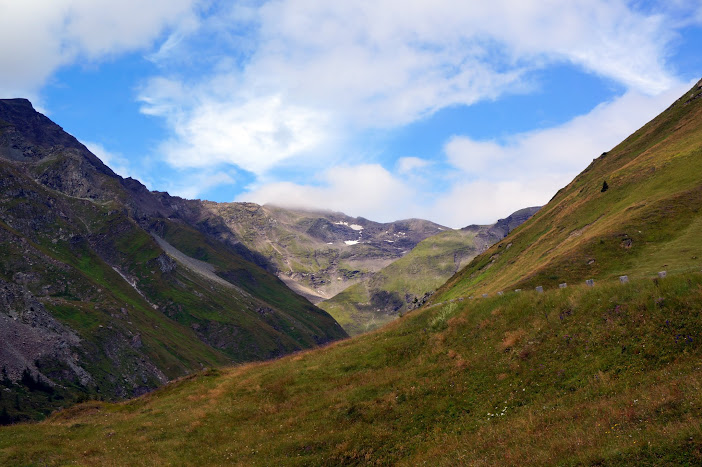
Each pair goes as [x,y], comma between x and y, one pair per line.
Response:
[407,283]
[646,221]
[604,375]
[401,285]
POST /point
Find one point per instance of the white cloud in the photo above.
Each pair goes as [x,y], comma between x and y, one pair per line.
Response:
[255,135]
[368,190]
[489,180]
[408,165]
[483,202]
[38,36]
[313,68]
[567,148]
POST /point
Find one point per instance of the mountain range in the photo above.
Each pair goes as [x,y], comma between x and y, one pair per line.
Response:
[491,370]
[317,253]
[110,290]
[363,273]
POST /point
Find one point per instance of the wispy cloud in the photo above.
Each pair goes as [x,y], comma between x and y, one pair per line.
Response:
[254,134]
[308,68]
[39,37]
[486,179]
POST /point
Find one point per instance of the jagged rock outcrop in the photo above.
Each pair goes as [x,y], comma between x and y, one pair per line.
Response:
[487,236]
[30,335]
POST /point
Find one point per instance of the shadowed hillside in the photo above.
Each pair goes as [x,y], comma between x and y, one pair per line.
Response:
[102,291]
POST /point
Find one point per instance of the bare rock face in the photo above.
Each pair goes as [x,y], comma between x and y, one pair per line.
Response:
[30,334]
[488,235]
[166,263]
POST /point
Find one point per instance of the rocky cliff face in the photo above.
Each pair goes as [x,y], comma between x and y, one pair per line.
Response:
[109,290]
[488,235]
[30,336]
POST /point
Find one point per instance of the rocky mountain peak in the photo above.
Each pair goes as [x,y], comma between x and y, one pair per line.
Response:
[32,127]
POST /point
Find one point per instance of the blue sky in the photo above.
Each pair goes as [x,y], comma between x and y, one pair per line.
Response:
[386,109]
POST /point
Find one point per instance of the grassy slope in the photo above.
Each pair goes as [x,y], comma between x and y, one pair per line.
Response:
[652,204]
[422,270]
[301,323]
[69,245]
[607,375]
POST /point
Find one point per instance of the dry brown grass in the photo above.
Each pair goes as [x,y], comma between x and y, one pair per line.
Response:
[511,339]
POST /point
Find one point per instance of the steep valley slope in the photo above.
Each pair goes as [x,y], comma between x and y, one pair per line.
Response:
[634,211]
[110,290]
